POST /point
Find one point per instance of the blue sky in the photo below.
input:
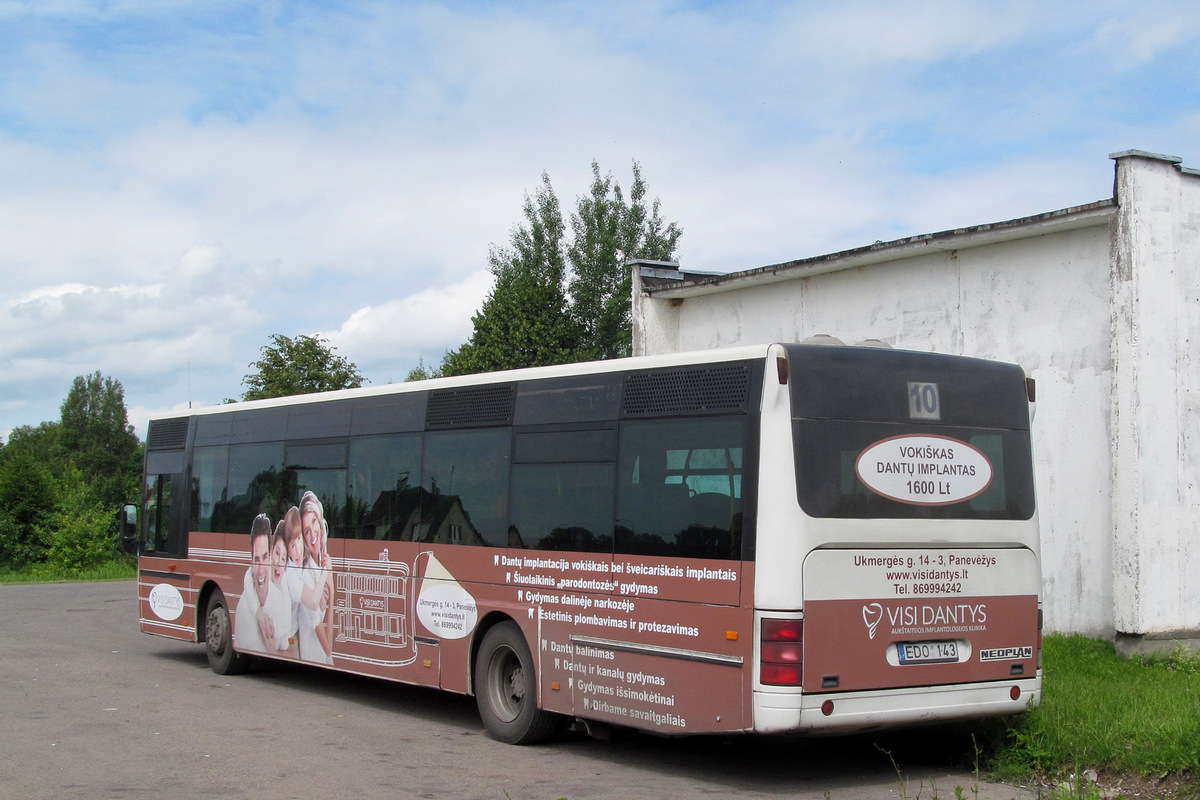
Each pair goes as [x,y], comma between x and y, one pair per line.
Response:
[181,179]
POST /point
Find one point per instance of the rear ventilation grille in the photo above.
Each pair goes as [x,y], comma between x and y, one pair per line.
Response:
[470,408]
[709,389]
[167,434]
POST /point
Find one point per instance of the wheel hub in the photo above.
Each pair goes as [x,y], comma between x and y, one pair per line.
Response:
[216,632]
[516,684]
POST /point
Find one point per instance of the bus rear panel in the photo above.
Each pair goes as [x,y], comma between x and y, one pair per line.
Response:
[907,571]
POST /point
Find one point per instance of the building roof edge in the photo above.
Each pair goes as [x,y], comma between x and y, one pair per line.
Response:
[1145,154]
[954,239]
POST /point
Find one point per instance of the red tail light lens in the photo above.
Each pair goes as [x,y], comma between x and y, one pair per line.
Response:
[781,675]
[782,652]
[1039,639]
[782,630]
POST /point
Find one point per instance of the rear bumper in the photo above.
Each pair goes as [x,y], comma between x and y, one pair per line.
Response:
[778,712]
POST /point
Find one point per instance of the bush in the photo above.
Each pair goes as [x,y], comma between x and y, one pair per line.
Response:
[27,500]
[81,540]
[20,545]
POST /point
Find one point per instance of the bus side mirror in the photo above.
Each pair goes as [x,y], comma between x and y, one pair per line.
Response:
[128,529]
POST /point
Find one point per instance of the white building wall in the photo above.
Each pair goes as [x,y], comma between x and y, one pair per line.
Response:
[1101,305]
[1156,330]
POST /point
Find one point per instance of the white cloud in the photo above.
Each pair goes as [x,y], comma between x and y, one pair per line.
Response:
[395,334]
[202,267]
[866,35]
[1133,37]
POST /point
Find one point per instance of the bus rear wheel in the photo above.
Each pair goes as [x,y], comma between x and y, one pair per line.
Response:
[218,636]
[506,689]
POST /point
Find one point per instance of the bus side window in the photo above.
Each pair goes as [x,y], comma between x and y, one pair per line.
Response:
[258,484]
[562,507]
[157,513]
[210,490]
[679,488]
[465,479]
[320,469]
[384,490]
[562,489]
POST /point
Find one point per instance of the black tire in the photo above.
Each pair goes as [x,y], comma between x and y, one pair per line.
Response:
[218,636]
[506,689]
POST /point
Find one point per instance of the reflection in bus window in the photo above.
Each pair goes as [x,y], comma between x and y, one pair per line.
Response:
[563,507]
[157,513]
[465,478]
[384,494]
[210,466]
[257,485]
[679,488]
[330,486]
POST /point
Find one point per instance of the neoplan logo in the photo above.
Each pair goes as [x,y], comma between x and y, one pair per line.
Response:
[1006,654]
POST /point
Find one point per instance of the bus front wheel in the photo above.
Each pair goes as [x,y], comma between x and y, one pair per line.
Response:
[506,689]
[218,635]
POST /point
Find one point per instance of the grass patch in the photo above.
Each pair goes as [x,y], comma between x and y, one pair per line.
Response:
[119,569]
[1105,715]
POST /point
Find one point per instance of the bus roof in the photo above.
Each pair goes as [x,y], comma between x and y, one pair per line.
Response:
[683,358]
[739,353]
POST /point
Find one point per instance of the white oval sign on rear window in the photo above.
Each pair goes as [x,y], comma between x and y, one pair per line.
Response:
[924,470]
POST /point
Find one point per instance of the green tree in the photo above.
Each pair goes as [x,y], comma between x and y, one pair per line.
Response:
[95,426]
[29,466]
[96,435]
[81,531]
[608,231]
[302,365]
[423,372]
[42,442]
[524,322]
[558,300]
[62,482]
[28,496]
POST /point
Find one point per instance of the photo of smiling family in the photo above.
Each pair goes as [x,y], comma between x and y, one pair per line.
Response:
[286,607]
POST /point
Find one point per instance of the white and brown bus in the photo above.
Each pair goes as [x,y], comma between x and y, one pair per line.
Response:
[791,537]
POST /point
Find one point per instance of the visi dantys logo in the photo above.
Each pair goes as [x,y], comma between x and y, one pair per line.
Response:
[872,614]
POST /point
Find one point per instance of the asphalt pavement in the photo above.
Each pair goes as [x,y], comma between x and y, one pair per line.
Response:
[95,709]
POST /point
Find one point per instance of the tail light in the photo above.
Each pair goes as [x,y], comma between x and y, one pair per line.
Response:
[782,652]
[1039,639]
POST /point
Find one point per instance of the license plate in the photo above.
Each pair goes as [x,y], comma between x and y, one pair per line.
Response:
[928,652]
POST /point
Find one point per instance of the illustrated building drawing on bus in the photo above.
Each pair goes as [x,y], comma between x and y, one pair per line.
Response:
[372,608]
[790,537]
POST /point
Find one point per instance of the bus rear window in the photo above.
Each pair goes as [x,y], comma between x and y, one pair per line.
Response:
[909,435]
[830,475]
